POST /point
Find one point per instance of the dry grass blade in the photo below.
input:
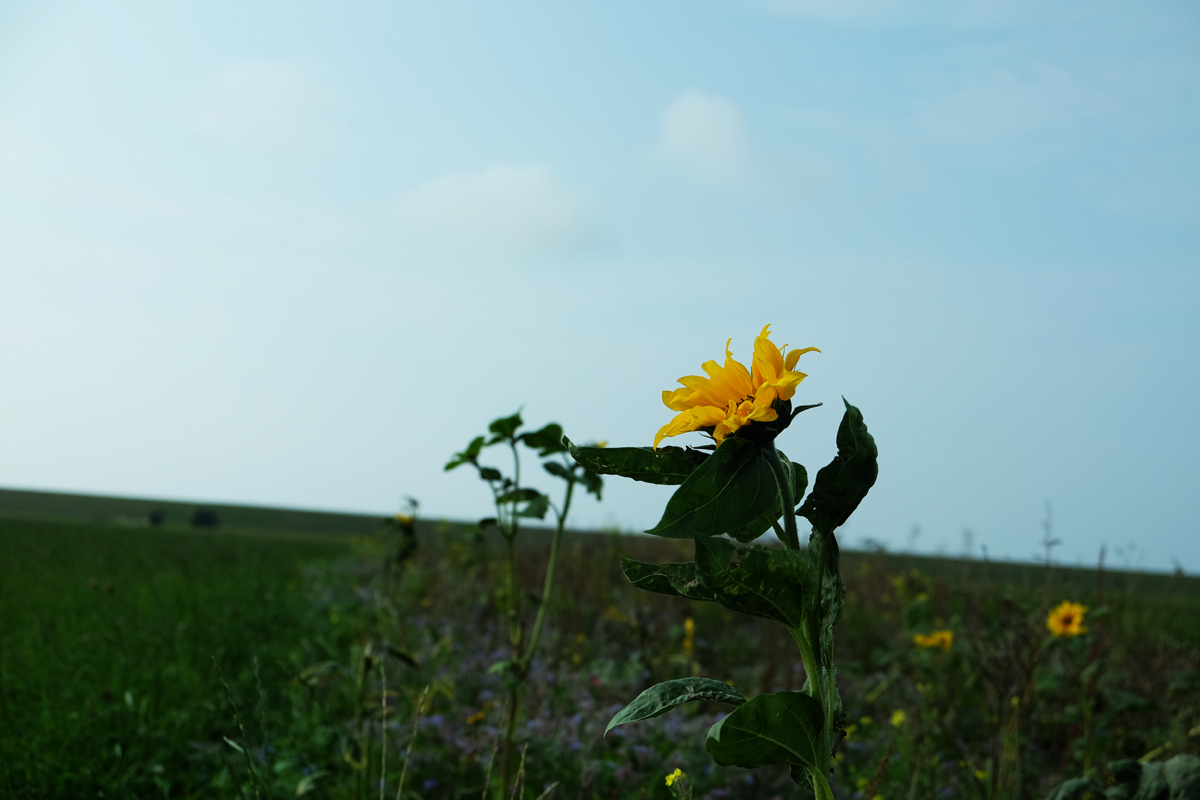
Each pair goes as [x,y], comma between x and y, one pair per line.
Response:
[413,738]
[383,727]
[487,778]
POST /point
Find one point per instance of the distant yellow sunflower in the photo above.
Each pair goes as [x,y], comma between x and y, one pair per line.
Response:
[733,396]
[1067,619]
[942,639]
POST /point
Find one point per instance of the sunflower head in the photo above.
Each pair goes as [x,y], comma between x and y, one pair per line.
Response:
[942,639]
[1067,619]
[731,400]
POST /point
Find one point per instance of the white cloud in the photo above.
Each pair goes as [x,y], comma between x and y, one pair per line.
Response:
[524,208]
[705,137]
[270,104]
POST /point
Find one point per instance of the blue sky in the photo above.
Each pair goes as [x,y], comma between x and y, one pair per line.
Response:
[295,254]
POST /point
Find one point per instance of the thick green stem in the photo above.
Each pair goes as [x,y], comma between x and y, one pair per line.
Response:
[821,783]
[791,539]
[820,680]
[548,586]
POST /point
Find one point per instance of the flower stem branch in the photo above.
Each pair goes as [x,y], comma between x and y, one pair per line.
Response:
[548,586]
[791,537]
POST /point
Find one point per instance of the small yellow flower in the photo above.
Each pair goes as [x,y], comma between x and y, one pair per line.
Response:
[942,639]
[677,775]
[1067,619]
[689,637]
[405,519]
[614,614]
[898,717]
[733,396]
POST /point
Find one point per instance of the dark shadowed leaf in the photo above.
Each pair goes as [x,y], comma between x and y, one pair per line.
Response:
[518,495]
[782,728]
[593,482]
[732,487]
[661,698]
[467,456]
[547,441]
[674,579]
[843,483]
[505,427]
[767,583]
[1077,789]
[490,474]
[833,591]
[762,523]
[557,469]
[667,466]
[536,508]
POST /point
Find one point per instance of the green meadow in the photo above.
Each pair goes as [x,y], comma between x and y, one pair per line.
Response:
[286,654]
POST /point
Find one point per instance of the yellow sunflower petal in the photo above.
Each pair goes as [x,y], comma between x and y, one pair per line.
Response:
[789,363]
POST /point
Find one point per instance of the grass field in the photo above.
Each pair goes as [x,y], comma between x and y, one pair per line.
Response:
[252,661]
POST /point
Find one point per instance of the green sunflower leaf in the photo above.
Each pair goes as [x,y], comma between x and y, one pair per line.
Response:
[762,523]
[467,456]
[782,728]
[763,582]
[536,507]
[678,579]
[593,482]
[505,427]
[843,483]
[557,469]
[662,697]
[727,491]
[547,441]
[666,466]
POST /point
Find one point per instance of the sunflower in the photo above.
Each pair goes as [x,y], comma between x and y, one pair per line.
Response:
[942,639]
[1067,619]
[732,396]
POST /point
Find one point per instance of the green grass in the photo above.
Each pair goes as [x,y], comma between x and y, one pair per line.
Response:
[107,644]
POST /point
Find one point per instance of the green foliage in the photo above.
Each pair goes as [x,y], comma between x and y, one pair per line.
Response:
[843,483]
[1076,789]
[773,584]
[740,491]
[666,466]
[798,478]
[782,728]
[107,644]
[244,594]
[470,455]
[662,697]
[505,428]
[729,490]
[676,579]
[1177,778]
[514,503]
[547,441]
